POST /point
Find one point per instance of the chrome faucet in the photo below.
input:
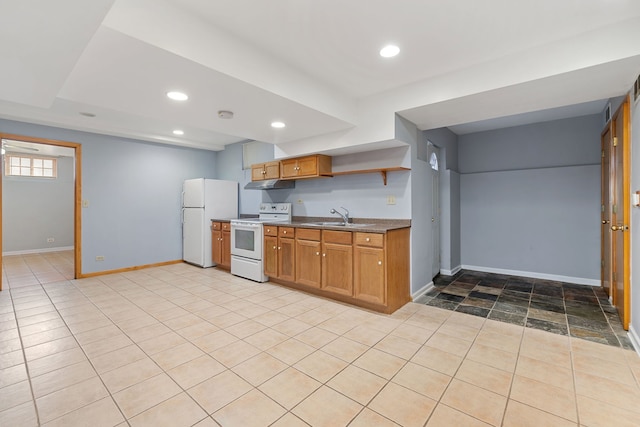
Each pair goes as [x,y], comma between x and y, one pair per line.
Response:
[345,216]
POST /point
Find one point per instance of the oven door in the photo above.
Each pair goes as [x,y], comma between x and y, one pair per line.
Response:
[246,240]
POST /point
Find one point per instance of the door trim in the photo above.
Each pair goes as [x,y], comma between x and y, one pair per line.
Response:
[77,205]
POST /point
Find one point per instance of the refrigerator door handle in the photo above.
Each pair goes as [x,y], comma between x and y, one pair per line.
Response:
[182,197]
[182,219]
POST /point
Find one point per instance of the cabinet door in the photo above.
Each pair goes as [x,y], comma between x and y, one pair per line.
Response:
[286,259]
[369,274]
[337,268]
[288,168]
[216,246]
[226,249]
[272,170]
[308,262]
[257,172]
[307,166]
[271,256]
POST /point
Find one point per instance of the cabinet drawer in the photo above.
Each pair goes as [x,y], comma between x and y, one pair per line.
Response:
[308,234]
[342,237]
[216,226]
[270,230]
[370,239]
[226,226]
[286,232]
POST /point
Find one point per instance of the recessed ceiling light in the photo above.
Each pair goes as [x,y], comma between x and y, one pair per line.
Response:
[277,125]
[178,96]
[389,51]
[178,132]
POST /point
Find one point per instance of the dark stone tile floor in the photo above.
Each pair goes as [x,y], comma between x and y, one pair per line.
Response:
[561,308]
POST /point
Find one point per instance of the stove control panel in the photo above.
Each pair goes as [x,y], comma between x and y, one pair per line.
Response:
[275,208]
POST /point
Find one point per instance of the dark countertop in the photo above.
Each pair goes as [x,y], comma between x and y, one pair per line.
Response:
[369,225]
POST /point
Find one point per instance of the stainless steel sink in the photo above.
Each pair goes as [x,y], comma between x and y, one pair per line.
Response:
[334,224]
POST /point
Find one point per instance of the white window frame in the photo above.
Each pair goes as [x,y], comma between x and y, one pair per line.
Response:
[31,166]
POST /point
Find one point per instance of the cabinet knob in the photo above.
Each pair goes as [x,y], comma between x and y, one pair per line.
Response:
[268,230]
[284,232]
[368,239]
[274,248]
[379,262]
[324,255]
[317,253]
[279,248]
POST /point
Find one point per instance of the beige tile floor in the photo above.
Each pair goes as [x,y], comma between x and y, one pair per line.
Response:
[182,346]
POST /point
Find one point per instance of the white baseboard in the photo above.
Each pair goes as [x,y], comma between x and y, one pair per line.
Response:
[38,251]
[558,278]
[451,272]
[635,339]
[423,290]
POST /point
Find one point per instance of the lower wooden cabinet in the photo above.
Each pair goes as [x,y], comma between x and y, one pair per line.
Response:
[308,257]
[221,244]
[337,262]
[370,275]
[279,253]
[367,269]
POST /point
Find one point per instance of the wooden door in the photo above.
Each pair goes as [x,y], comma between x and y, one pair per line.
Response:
[369,275]
[288,168]
[286,259]
[616,211]
[620,212]
[226,248]
[337,268]
[308,262]
[216,244]
[271,256]
[272,170]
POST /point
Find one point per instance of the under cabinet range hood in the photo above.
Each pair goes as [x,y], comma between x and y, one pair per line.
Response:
[270,184]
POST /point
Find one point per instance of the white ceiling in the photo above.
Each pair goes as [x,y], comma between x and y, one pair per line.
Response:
[464,64]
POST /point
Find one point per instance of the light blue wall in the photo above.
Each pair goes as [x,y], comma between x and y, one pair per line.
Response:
[530,199]
[421,198]
[229,167]
[35,209]
[364,195]
[133,189]
[568,142]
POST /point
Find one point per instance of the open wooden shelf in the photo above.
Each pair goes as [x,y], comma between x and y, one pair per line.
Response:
[381,171]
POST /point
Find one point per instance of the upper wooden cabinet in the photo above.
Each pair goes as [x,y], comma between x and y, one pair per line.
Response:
[262,171]
[305,167]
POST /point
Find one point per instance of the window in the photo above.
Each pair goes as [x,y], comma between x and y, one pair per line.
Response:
[25,165]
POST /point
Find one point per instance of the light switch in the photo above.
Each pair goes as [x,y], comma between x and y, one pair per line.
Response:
[85,203]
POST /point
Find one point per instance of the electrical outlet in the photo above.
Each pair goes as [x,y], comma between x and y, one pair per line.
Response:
[85,203]
[50,240]
[391,200]
[100,258]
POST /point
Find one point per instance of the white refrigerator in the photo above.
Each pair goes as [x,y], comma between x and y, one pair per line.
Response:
[202,201]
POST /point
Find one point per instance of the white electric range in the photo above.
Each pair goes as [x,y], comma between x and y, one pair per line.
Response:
[247,238]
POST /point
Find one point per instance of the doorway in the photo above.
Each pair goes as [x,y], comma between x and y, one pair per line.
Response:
[434,156]
[616,211]
[77,177]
